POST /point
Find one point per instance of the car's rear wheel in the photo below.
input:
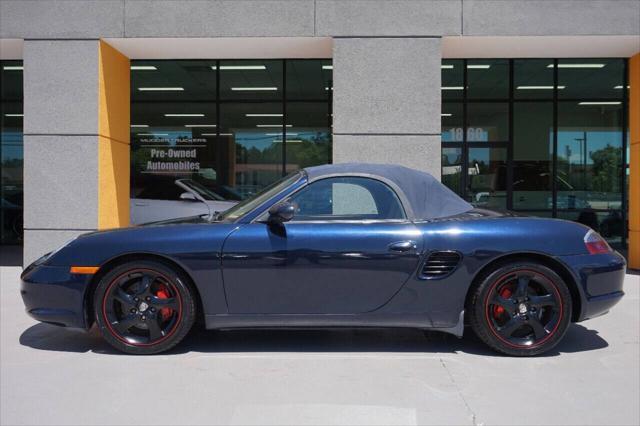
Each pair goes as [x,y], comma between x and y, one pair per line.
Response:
[144,307]
[521,309]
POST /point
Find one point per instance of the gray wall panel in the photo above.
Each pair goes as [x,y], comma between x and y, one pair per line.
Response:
[61,87]
[556,17]
[61,182]
[38,242]
[418,152]
[388,18]
[386,85]
[61,18]
[218,18]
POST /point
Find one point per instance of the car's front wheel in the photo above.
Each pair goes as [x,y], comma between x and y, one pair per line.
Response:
[144,307]
[521,309]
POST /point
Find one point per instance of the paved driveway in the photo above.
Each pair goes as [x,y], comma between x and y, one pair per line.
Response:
[57,376]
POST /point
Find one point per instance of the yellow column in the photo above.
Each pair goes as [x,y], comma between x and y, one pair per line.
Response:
[634,162]
[113,131]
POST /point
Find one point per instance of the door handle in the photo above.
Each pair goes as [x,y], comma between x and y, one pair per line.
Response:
[402,246]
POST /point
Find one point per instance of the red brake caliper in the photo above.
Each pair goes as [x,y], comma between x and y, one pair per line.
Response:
[498,310]
[165,313]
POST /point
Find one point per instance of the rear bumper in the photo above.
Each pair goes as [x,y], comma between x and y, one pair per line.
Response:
[600,278]
[53,295]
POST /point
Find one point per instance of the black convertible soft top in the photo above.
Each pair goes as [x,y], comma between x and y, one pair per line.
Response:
[423,196]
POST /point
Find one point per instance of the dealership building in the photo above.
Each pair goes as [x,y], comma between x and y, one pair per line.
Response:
[531,106]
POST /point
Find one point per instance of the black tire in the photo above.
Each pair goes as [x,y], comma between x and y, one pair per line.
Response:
[144,307]
[520,309]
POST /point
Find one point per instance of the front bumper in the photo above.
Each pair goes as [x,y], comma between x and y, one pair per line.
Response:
[600,278]
[53,295]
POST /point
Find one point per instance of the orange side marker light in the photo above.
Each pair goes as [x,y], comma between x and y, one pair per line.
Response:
[87,270]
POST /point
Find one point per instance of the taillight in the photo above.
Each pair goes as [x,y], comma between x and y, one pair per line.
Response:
[595,243]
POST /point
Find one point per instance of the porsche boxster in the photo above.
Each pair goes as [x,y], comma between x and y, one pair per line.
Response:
[345,245]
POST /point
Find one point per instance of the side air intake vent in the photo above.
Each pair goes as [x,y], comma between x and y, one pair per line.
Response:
[440,264]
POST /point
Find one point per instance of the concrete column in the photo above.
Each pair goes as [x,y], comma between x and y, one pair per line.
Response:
[386,104]
[67,158]
[60,143]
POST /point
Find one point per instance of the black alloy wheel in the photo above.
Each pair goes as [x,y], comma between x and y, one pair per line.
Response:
[521,309]
[144,307]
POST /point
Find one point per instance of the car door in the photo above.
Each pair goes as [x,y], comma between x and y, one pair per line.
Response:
[348,249]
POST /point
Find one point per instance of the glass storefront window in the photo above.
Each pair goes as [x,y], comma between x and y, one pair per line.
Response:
[251,80]
[309,80]
[309,140]
[252,134]
[532,155]
[487,122]
[487,79]
[590,78]
[590,162]
[533,79]
[452,79]
[232,126]
[452,169]
[452,122]
[487,177]
[541,136]
[11,153]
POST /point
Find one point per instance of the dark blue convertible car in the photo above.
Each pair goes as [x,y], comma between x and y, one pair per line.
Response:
[347,245]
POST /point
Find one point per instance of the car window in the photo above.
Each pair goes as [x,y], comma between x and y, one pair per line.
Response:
[347,198]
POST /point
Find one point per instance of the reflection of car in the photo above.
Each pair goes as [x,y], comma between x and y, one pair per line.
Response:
[612,225]
[569,201]
[164,200]
[336,245]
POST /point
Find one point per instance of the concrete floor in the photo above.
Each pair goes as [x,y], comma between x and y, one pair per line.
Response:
[57,376]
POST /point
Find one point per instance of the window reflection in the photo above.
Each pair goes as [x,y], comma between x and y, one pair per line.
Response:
[11,153]
[488,79]
[589,163]
[452,79]
[487,122]
[452,122]
[533,155]
[452,169]
[487,177]
[251,80]
[533,79]
[589,156]
[225,129]
[252,134]
[590,78]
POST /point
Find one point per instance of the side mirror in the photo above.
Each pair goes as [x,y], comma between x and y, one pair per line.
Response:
[281,212]
[187,196]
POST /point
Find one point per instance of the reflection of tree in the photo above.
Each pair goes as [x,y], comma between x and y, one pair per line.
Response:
[305,153]
[309,152]
[606,169]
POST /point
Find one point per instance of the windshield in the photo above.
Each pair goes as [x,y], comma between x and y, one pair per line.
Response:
[201,190]
[254,201]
